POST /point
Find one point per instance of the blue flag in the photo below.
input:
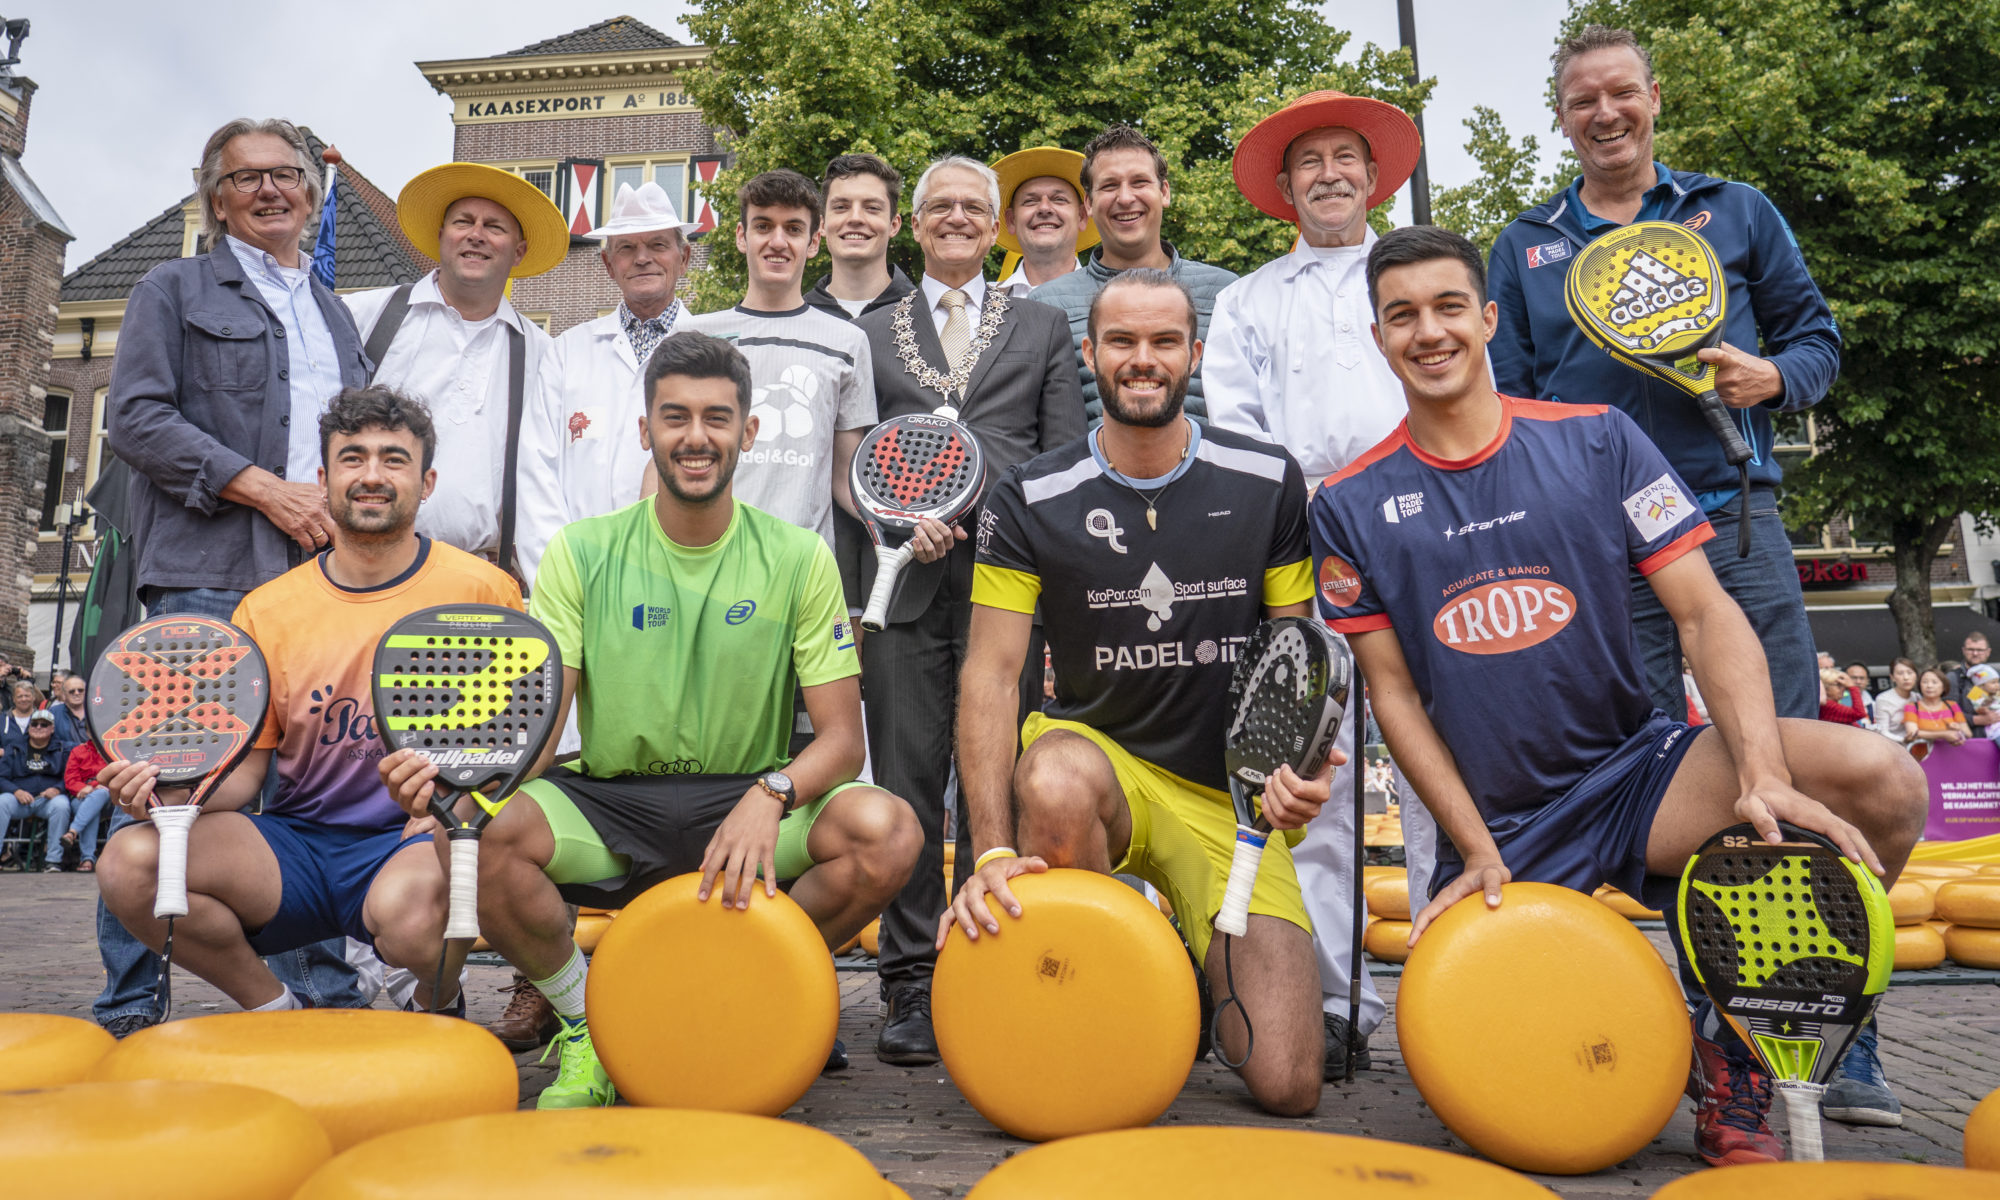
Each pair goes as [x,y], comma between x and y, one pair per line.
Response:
[322,267]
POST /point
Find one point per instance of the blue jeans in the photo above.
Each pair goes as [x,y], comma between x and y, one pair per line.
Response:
[53,809]
[318,973]
[84,814]
[1766,586]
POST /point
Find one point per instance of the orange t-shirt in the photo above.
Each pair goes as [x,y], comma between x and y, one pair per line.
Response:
[319,641]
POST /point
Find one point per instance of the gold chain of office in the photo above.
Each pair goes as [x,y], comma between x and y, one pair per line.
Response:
[948,386]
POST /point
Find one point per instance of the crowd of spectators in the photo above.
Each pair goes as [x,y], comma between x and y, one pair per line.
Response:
[50,800]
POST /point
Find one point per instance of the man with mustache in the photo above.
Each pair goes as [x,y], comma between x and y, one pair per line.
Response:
[964,347]
[452,340]
[686,626]
[1046,223]
[328,854]
[1197,535]
[1289,361]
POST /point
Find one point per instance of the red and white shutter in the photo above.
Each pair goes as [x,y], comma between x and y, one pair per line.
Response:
[580,193]
[705,171]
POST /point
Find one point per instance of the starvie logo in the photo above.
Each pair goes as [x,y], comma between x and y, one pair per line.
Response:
[1482,526]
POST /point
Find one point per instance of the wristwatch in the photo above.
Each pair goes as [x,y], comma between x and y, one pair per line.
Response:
[779,784]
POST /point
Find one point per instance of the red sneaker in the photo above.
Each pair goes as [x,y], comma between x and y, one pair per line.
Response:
[1732,1106]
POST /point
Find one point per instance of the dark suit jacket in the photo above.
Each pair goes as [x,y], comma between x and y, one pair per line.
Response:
[1021,400]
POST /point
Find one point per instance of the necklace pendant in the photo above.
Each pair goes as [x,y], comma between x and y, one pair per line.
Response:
[1152,518]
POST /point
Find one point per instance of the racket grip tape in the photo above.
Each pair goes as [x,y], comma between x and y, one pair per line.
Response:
[1716,413]
[462,918]
[888,568]
[1234,917]
[172,822]
[1802,1114]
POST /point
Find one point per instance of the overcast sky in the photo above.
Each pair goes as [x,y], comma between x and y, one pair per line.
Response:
[129,90]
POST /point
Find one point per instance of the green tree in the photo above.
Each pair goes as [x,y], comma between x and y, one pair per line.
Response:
[1506,185]
[794,82]
[1869,123]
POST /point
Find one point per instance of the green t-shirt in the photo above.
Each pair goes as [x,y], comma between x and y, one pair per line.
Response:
[689,656]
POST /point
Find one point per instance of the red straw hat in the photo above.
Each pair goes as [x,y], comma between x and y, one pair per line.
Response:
[1260,157]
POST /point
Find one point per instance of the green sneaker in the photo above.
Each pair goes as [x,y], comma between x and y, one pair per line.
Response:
[580,1078]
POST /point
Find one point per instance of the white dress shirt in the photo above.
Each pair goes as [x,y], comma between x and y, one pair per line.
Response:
[1017,286]
[975,301]
[459,369]
[1290,359]
[312,363]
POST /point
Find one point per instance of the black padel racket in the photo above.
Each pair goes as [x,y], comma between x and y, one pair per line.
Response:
[908,468]
[477,690]
[187,694]
[1286,698]
[1794,945]
[1653,295]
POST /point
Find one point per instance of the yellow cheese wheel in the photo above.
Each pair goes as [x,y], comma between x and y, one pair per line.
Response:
[1625,906]
[1911,902]
[1387,940]
[871,938]
[1938,924]
[157,1140]
[1205,1162]
[1982,1135]
[359,1072]
[848,945]
[1833,1181]
[1551,995]
[693,1005]
[584,910]
[590,931]
[1972,901]
[1941,870]
[1371,874]
[1918,947]
[1389,896]
[601,1154]
[1989,869]
[42,1050]
[1970,946]
[1080,1016]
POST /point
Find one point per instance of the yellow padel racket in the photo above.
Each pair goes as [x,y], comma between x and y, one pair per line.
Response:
[1653,295]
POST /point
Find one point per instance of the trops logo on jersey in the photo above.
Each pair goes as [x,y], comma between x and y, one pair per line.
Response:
[1519,608]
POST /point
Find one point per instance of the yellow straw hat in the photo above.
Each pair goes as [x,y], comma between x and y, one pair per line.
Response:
[424,200]
[1033,163]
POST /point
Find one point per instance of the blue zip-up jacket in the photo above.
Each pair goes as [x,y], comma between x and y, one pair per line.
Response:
[1538,351]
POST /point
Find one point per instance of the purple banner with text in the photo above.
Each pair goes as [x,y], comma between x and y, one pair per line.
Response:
[1965,790]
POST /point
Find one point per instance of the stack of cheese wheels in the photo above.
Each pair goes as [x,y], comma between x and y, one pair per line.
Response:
[1550,995]
[1918,946]
[1626,906]
[1199,1162]
[602,1154]
[693,1005]
[1833,1181]
[1387,937]
[159,1140]
[1077,1017]
[359,1072]
[41,1050]
[1982,1135]
[1972,905]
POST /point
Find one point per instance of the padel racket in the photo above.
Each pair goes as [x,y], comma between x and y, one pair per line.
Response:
[477,690]
[1286,697]
[1793,945]
[908,468]
[188,694]
[1652,295]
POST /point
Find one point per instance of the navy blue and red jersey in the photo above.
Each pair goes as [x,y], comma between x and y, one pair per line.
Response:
[1506,579]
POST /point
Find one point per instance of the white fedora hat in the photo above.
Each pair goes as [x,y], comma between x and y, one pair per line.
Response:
[643,209]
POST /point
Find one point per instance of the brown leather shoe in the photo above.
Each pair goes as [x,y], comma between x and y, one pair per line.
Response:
[528,1022]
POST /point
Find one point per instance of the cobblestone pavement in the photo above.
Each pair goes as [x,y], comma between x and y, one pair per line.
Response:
[1940,1048]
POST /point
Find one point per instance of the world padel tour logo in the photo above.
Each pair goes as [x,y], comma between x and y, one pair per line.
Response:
[1520,608]
[1546,253]
[1339,582]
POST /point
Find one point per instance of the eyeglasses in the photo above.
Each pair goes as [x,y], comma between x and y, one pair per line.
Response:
[937,210]
[250,179]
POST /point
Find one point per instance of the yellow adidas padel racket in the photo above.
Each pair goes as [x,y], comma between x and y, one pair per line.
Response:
[1652,295]
[1794,945]
[477,690]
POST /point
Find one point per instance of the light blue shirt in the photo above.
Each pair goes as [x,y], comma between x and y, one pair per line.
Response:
[314,367]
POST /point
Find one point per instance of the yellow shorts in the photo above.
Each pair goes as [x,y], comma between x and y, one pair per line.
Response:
[1183,835]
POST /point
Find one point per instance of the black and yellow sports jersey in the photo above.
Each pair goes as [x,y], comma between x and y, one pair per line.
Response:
[1144,623]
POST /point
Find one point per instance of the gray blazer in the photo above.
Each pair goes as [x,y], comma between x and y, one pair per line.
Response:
[1021,400]
[198,393]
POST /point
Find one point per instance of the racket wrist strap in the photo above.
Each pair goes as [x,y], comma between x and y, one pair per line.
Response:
[994,855]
